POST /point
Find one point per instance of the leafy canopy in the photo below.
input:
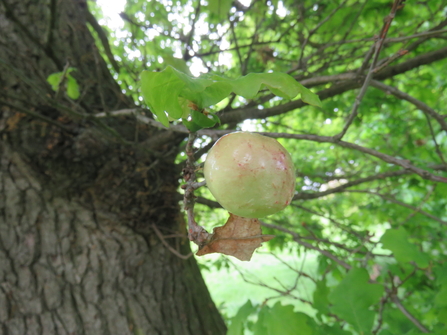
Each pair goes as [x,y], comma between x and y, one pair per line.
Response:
[371,198]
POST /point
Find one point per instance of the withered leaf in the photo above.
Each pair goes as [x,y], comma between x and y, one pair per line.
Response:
[239,237]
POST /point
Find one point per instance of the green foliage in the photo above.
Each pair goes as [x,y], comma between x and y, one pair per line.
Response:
[170,93]
[384,221]
[397,240]
[270,321]
[353,297]
[279,84]
[61,79]
[441,295]
[320,297]
[237,323]
[219,8]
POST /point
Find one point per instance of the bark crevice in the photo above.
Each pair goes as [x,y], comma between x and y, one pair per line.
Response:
[77,251]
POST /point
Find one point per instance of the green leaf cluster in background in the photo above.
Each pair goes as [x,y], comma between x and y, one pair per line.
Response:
[352,298]
[65,80]
[385,222]
[397,240]
[170,92]
[271,321]
[219,9]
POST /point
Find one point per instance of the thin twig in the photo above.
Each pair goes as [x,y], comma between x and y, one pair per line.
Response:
[62,83]
[36,115]
[430,33]
[244,64]
[171,249]
[52,23]
[366,60]
[104,40]
[300,272]
[311,32]
[196,185]
[400,203]
[287,292]
[406,164]
[321,139]
[380,315]
[409,316]
[97,56]
[433,136]
[389,60]
[186,55]
[238,52]
[348,184]
[418,208]
[378,47]
[336,223]
[419,104]
[297,239]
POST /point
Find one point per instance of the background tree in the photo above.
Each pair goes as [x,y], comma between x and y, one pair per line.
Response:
[92,238]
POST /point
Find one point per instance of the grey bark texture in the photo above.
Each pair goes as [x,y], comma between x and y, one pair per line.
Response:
[78,198]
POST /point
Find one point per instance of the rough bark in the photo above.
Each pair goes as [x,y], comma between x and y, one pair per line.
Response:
[69,268]
[78,198]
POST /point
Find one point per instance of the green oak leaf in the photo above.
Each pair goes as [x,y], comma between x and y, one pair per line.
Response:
[396,240]
[283,320]
[72,86]
[204,120]
[441,297]
[167,91]
[54,80]
[441,274]
[191,125]
[280,84]
[353,297]
[332,330]
[161,90]
[320,297]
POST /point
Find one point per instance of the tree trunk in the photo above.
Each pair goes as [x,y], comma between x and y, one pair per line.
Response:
[81,200]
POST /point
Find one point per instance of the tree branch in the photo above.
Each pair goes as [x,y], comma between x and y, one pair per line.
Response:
[369,76]
[171,249]
[186,55]
[37,116]
[342,83]
[298,240]
[403,204]
[409,316]
[315,138]
[328,139]
[341,188]
[103,38]
[196,233]
[313,31]
[419,104]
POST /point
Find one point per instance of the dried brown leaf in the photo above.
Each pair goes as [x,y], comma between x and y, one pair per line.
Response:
[239,237]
